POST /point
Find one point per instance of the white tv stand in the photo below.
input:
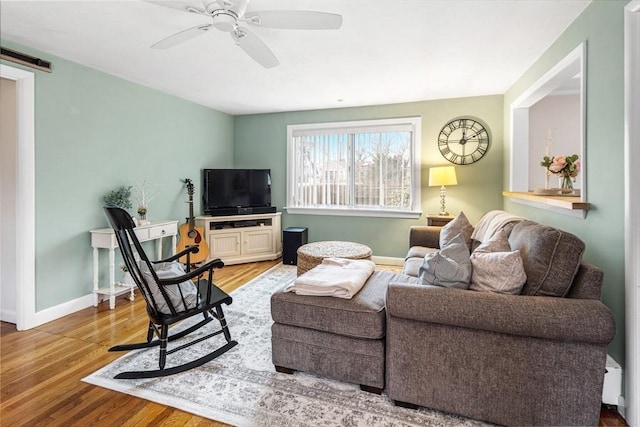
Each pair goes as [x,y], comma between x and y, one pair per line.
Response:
[237,239]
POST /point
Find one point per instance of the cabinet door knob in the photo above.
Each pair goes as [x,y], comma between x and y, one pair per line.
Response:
[164,231]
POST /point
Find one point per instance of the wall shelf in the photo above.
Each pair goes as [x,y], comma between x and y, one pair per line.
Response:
[563,204]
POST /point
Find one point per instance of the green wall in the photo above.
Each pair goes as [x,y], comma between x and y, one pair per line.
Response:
[261,141]
[95,132]
[601,26]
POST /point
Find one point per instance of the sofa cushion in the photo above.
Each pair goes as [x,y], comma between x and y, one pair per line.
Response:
[448,267]
[459,225]
[496,268]
[363,316]
[551,258]
[414,260]
[500,272]
[419,252]
[498,243]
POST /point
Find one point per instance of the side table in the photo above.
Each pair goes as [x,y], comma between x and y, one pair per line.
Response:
[105,238]
[439,220]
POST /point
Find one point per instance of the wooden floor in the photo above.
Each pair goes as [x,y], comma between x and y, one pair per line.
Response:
[41,368]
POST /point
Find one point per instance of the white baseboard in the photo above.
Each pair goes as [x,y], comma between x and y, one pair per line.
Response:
[9,316]
[384,260]
[53,313]
[61,310]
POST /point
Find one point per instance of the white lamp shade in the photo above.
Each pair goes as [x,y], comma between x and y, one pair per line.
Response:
[442,175]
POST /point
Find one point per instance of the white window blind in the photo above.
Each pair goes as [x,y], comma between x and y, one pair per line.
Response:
[354,168]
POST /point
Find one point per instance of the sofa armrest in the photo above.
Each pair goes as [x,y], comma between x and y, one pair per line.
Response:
[562,319]
[424,235]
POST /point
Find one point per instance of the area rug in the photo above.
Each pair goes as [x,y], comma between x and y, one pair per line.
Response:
[242,388]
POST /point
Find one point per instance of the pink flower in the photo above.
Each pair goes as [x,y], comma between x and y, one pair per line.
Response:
[566,166]
[558,164]
[575,170]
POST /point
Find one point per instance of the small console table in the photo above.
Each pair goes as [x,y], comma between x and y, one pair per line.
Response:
[105,238]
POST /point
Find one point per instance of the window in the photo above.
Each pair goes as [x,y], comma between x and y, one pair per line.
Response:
[363,168]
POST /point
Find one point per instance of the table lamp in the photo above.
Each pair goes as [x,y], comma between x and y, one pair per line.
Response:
[442,175]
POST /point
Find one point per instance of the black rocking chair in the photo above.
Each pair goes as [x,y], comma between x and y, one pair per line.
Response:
[170,299]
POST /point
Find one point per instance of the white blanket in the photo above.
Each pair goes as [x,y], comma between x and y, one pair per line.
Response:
[335,277]
[491,222]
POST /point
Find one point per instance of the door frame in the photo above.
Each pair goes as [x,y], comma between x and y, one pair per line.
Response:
[632,208]
[25,203]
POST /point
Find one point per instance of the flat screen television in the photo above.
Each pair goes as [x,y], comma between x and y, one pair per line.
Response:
[236,191]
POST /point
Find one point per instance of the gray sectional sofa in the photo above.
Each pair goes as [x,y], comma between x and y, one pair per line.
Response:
[537,358]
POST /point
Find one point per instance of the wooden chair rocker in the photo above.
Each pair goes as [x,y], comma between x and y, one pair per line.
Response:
[171,296]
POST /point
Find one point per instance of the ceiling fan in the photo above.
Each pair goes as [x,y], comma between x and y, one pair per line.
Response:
[227,15]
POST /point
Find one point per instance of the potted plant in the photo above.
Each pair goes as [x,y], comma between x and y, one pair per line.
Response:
[565,167]
[120,197]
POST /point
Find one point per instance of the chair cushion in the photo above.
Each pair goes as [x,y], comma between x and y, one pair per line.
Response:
[169,270]
[459,225]
[551,258]
[362,316]
[448,267]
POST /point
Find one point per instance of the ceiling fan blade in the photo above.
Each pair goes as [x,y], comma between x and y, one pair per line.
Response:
[254,47]
[294,19]
[182,36]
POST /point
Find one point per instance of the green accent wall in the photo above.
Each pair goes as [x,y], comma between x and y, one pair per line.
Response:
[601,26]
[93,133]
[261,141]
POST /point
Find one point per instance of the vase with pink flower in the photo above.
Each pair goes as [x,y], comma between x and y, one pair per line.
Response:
[565,167]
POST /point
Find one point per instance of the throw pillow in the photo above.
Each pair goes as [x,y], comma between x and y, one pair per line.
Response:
[498,243]
[168,270]
[448,267]
[499,272]
[551,258]
[459,225]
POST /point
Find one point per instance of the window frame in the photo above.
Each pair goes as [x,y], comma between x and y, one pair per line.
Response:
[414,212]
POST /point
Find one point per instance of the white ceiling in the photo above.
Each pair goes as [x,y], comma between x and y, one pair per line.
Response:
[387,51]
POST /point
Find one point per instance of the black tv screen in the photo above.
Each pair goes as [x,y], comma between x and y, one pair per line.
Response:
[227,191]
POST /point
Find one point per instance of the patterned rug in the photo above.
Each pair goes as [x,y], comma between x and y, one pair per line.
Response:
[242,388]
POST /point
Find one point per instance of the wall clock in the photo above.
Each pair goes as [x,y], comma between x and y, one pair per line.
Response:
[463,141]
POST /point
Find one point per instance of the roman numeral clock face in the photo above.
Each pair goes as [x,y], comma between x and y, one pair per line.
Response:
[463,141]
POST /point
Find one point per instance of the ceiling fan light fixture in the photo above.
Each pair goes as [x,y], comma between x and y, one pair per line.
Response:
[224,20]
